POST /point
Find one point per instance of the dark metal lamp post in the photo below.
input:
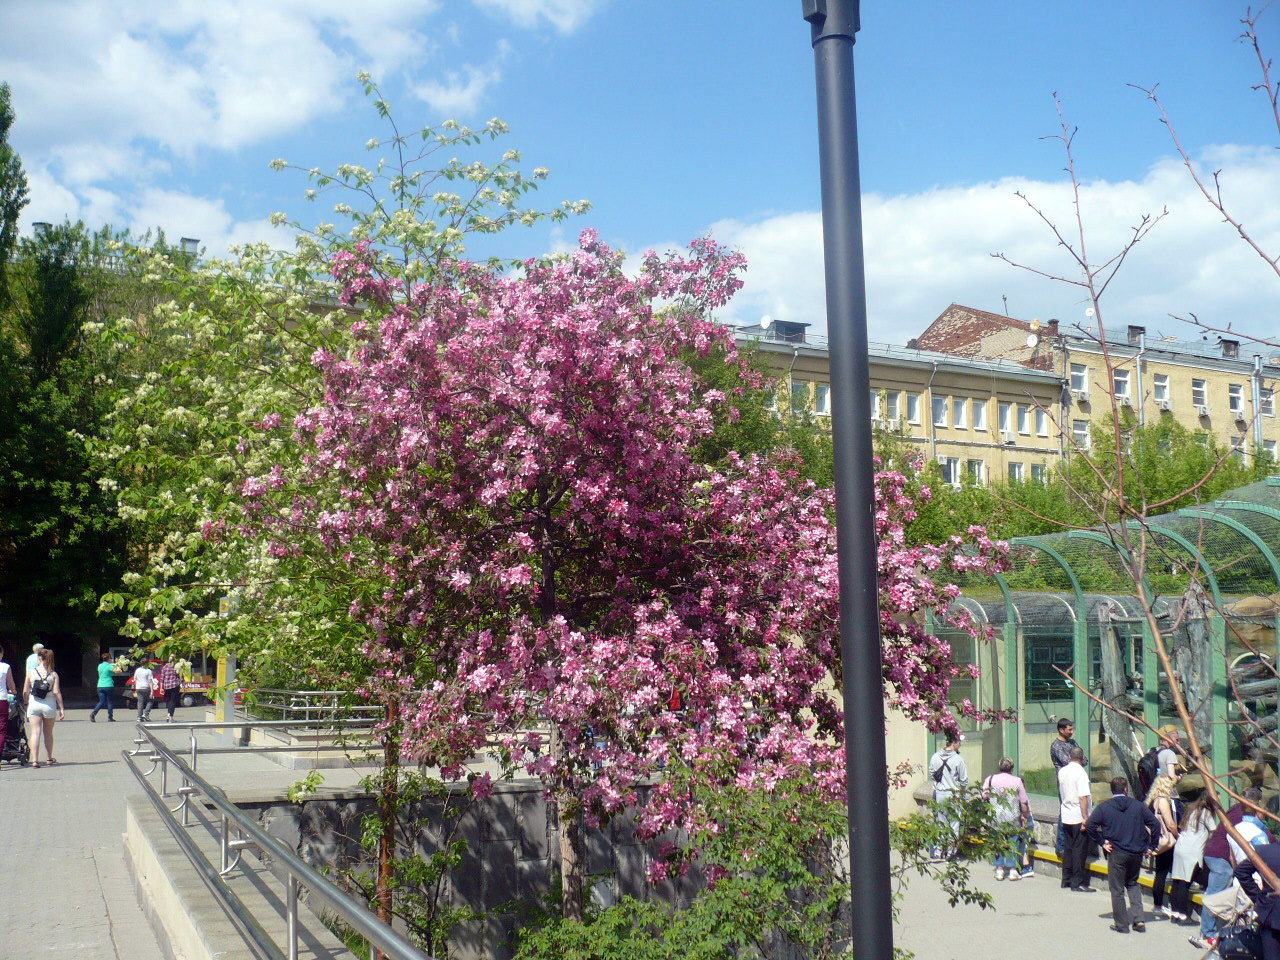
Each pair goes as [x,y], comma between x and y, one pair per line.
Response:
[833,25]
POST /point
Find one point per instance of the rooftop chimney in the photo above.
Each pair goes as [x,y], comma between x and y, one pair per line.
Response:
[1230,348]
[1135,334]
[1051,328]
[190,246]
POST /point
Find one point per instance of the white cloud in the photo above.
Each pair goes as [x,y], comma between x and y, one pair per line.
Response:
[183,215]
[460,93]
[564,15]
[925,250]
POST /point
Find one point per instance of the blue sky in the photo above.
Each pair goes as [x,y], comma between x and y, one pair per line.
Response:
[676,118]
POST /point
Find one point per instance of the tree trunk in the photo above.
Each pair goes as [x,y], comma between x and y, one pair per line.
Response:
[1193,657]
[573,861]
[387,802]
[1125,746]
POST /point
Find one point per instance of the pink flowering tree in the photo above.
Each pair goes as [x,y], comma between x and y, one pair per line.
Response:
[513,457]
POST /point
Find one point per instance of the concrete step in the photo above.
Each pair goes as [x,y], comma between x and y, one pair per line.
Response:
[189,922]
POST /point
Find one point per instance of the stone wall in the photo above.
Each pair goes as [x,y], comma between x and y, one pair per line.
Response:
[511,839]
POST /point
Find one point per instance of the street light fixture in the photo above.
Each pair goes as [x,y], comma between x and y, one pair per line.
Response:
[833,24]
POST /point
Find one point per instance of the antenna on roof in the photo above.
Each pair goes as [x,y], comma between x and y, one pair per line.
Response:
[1005,301]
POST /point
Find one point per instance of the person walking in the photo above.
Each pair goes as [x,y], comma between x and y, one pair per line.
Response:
[1188,855]
[143,678]
[8,694]
[106,690]
[33,660]
[1060,753]
[1161,800]
[949,775]
[171,684]
[1125,829]
[1073,812]
[1008,796]
[42,693]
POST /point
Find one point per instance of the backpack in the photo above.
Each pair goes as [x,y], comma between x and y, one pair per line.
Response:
[937,774]
[1148,770]
[42,686]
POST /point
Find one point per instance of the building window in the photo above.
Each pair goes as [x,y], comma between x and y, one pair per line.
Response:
[1006,423]
[822,399]
[913,408]
[1042,422]
[799,396]
[1080,433]
[875,405]
[891,407]
[979,414]
[1024,418]
[939,411]
[1235,398]
[960,412]
[976,470]
[1016,472]
[1269,450]
[1160,387]
[950,467]
[1039,473]
[1268,403]
[1199,393]
[1120,383]
[1079,378]
[1046,658]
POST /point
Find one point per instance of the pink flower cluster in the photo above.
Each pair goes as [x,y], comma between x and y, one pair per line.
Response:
[513,456]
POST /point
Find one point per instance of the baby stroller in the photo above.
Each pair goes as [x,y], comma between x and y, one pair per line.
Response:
[1238,938]
[16,747]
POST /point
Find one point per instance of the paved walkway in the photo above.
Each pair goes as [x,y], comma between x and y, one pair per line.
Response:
[1033,920]
[68,892]
[70,895]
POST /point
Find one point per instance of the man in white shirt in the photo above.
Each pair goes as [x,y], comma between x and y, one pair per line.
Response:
[1073,788]
[35,657]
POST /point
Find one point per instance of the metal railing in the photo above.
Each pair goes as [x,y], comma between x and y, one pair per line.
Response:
[237,832]
[311,704]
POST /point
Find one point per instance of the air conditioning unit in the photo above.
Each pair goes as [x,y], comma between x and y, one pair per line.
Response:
[1202,409]
[1240,417]
[1080,396]
[1164,404]
[1124,400]
[1008,436]
[877,424]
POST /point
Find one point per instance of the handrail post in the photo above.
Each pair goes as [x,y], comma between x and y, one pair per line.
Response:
[291,915]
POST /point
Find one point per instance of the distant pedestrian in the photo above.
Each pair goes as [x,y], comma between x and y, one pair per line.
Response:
[1264,901]
[949,775]
[42,692]
[33,660]
[1126,829]
[1060,753]
[1188,855]
[1167,759]
[8,694]
[106,690]
[143,679]
[171,684]
[1217,860]
[1163,803]
[1008,796]
[1073,812]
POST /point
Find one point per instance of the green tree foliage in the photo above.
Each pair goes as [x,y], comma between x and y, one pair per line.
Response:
[60,540]
[13,191]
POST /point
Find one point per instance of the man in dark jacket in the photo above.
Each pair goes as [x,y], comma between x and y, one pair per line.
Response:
[1264,899]
[1126,829]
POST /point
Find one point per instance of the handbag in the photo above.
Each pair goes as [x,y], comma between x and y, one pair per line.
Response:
[1166,841]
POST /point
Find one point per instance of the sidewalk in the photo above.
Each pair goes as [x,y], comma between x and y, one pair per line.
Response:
[69,894]
[1033,920]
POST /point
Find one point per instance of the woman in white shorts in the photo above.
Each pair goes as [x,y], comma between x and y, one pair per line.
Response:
[42,711]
